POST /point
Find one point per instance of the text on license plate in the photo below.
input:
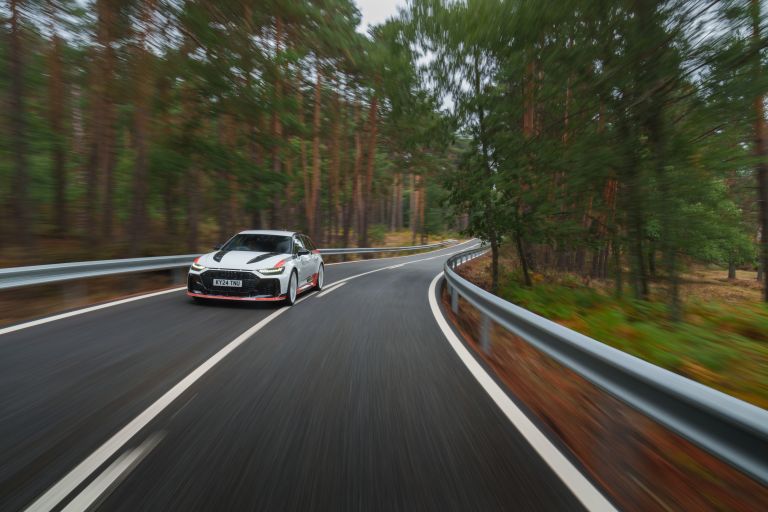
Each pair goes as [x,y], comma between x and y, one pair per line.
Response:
[234,283]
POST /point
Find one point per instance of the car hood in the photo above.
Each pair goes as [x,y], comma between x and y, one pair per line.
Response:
[241,259]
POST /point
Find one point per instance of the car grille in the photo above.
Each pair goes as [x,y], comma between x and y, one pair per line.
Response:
[253,286]
[250,281]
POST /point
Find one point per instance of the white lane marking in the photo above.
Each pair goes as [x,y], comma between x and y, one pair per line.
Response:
[336,284]
[47,319]
[103,485]
[580,486]
[330,289]
[340,281]
[82,471]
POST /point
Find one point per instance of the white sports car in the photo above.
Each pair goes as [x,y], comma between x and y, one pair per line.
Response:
[258,266]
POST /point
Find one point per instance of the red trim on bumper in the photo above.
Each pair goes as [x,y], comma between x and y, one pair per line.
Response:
[248,299]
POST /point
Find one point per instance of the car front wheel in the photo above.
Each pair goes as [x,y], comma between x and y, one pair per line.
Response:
[293,286]
[320,278]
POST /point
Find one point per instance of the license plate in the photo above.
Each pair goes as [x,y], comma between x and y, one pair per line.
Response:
[232,283]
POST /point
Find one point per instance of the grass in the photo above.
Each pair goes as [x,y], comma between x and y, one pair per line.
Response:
[719,343]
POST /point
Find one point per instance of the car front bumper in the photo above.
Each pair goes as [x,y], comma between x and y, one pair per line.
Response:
[255,287]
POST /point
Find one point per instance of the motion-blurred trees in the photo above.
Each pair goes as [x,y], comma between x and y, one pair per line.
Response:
[605,136]
[142,126]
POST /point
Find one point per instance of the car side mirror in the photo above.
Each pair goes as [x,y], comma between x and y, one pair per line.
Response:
[303,252]
[217,247]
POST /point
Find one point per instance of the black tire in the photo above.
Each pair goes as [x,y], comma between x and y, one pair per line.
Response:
[320,277]
[293,289]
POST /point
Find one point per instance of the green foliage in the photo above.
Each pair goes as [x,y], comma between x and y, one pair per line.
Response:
[731,342]
[377,234]
[593,130]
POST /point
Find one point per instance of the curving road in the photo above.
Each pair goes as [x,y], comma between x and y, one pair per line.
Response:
[353,399]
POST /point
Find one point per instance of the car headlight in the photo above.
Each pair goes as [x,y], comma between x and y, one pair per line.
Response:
[272,271]
[196,266]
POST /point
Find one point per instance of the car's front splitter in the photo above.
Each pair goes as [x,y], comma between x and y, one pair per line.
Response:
[226,297]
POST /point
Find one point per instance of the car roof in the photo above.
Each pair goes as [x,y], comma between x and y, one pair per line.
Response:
[267,232]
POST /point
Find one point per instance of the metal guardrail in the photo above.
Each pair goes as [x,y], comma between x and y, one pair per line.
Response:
[369,250]
[731,429]
[17,277]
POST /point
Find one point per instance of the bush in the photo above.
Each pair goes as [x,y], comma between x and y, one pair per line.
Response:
[720,345]
[377,234]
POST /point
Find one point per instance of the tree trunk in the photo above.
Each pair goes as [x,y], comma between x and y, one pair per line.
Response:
[141,114]
[193,208]
[422,210]
[761,168]
[618,279]
[347,184]
[415,201]
[169,206]
[333,170]
[399,205]
[277,127]
[19,201]
[357,181]
[108,149]
[372,133]
[731,268]
[393,210]
[311,198]
[652,259]
[495,264]
[56,97]
[523,262]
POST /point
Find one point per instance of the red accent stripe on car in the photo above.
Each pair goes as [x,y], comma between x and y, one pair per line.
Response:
[224,297]
[280,263]
[316,251]
[197,259]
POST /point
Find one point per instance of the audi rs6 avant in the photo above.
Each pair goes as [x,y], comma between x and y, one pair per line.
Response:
[258,266]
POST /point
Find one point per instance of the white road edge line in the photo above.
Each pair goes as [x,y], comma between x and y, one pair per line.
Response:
[61,316]
[342,281]
[330,289]
[106,482]
[53,496]
[579,485]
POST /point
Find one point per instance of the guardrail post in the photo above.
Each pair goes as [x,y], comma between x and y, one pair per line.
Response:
[178,275]
[485,333]
[454,299]
[75,292]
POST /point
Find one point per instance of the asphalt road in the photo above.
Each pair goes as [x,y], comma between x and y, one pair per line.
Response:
[349,400]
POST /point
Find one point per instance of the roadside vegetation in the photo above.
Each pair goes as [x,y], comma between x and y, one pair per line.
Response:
[721,340]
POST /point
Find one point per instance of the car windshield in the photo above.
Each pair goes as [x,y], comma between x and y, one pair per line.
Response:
[259,243]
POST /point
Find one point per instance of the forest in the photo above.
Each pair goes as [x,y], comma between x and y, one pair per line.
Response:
[616,140]
[613,140]
[154,127]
